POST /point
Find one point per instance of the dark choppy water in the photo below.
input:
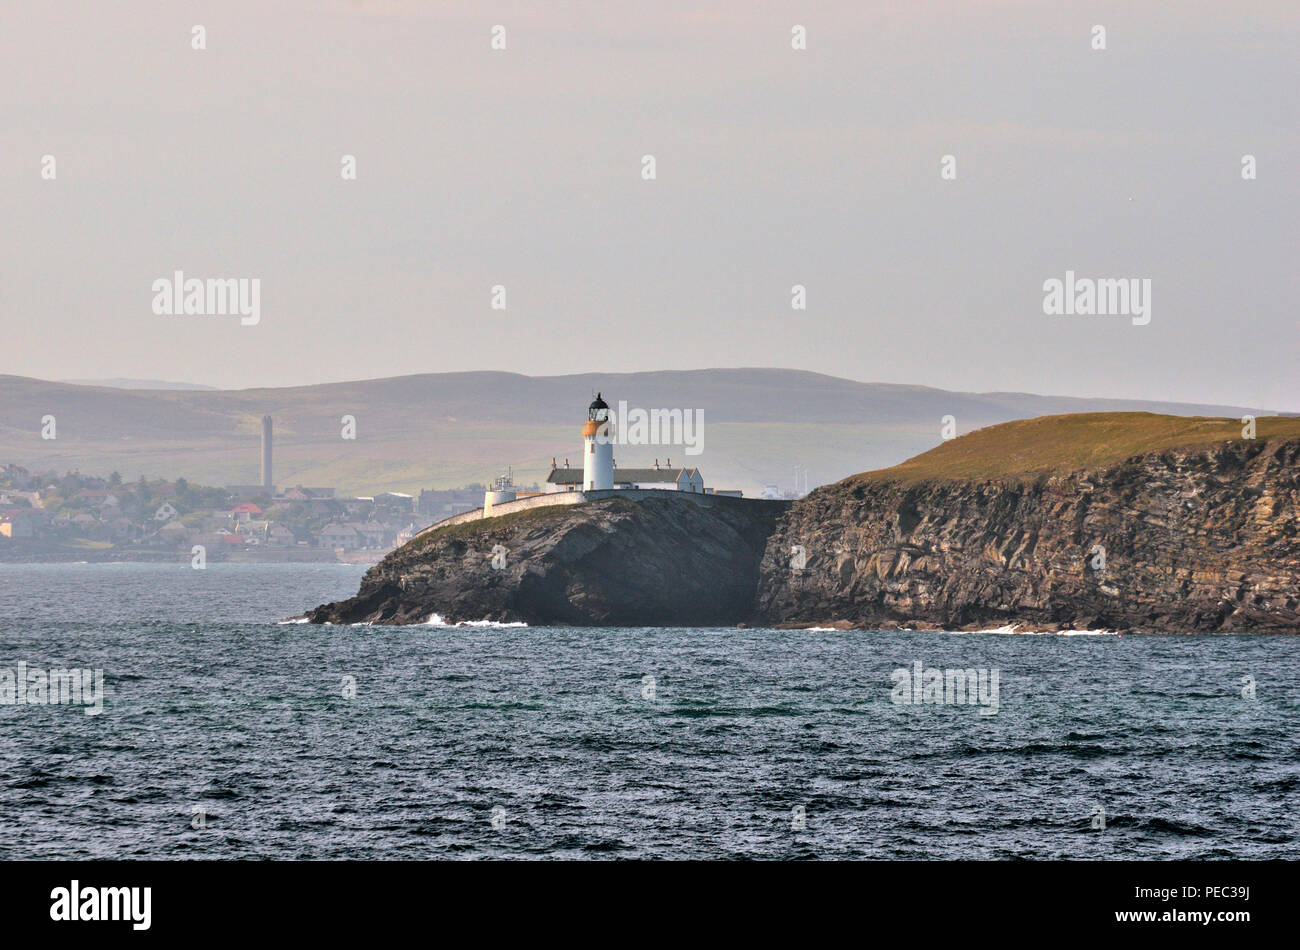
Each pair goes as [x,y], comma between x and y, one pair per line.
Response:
[211,706]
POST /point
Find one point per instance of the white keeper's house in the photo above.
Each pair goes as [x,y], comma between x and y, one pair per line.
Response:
[597,477]
[600,469]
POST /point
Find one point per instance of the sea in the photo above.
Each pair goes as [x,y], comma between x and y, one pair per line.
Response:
[225,732]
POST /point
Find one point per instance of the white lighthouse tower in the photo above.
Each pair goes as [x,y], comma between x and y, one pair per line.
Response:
[598,447]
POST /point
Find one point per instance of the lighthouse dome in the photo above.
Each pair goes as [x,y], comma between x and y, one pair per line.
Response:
[599,409]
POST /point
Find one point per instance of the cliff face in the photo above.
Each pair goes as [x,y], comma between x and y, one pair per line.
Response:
[613,562]
[1194,540]
[1127,521]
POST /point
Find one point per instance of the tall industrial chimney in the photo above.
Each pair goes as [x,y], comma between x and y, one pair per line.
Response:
[267,484]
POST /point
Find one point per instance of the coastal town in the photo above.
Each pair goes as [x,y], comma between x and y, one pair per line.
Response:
[45,515]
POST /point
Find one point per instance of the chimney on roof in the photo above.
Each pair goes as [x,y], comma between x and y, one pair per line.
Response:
[566,463]
[552,464]
[670,463]
[656,465]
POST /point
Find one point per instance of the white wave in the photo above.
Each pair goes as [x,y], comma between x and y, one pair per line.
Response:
[281,623]
[1011,629]
[1015,629]
[435,620]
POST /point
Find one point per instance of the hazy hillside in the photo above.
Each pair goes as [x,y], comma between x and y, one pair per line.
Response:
[441,430]
[118,382]
[1072,443]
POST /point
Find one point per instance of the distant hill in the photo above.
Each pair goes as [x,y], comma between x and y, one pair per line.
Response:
[448,429]
[120,383]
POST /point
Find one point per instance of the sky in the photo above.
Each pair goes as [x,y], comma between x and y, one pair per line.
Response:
[774,167]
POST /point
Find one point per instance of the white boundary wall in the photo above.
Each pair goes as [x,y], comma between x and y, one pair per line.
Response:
[547,500]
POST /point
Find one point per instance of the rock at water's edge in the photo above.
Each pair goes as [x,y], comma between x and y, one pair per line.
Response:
[613,562]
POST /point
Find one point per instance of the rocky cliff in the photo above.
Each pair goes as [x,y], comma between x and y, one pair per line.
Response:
[1185,539]
[1126,521]
[661,562]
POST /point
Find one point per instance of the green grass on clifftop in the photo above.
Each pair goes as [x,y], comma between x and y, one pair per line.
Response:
[1071,443]
[467,530]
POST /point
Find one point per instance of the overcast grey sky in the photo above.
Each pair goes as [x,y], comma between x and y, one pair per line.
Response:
[775,167]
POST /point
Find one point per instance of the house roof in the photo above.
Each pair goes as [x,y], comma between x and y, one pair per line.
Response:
[573,476]
[246,508]
[652,474]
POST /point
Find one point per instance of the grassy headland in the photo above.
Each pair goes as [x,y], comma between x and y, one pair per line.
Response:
[1071,443]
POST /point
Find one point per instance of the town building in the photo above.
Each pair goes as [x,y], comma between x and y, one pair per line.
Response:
[245,512]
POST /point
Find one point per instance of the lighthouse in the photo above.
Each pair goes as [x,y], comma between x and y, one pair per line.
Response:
[597,447]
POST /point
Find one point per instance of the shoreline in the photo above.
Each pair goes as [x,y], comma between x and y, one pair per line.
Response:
[90,557]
